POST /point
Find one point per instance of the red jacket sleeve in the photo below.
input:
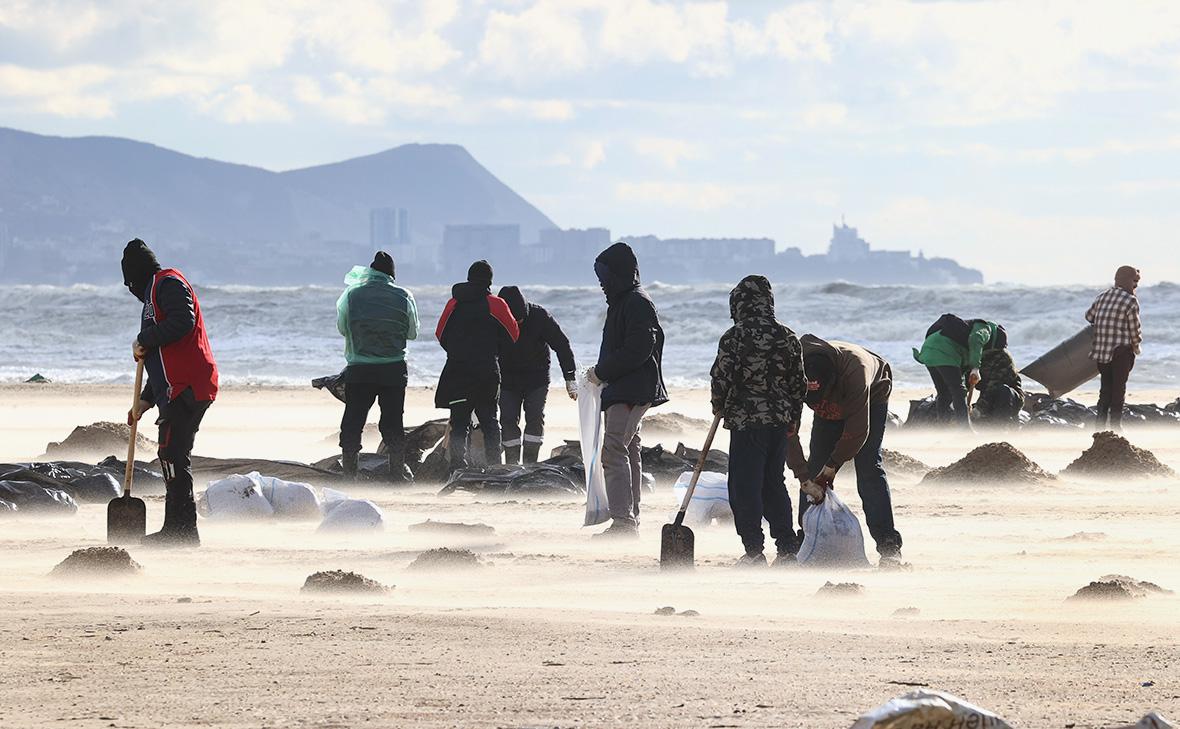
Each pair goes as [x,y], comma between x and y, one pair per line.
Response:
[503,314]
[442,320]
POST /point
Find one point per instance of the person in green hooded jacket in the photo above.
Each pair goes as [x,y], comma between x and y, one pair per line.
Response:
[953,353]
[376,317]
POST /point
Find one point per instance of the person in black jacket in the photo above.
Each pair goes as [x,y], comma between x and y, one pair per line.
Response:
[473,328]
[524,371]
[629,367]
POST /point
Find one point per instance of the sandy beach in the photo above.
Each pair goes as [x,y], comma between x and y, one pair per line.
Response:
[555,630]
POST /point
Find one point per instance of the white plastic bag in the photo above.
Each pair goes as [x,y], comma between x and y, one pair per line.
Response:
[290,499]
[1154,720]
[832,535]
[235,497]
[590,427]
[345,514]
[923,709]
[710,499]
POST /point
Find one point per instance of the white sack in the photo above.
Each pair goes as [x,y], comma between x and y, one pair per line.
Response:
[710,499]
[590,427]
[290,499]
[832,535]
[235,497]
[1153,720]
[351,515]
[924,709]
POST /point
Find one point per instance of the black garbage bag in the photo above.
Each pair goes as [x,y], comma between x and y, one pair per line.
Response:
[530,479]
[1152,414]
[664,465]
[923,412]
[369,467]
[334,384]
[717,460]
[7,507]
[143,473]
[86,483]
[33,498]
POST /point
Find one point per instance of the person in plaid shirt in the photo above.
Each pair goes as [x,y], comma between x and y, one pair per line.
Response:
[1117,339]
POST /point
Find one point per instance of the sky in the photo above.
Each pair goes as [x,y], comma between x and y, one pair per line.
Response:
[1037,140]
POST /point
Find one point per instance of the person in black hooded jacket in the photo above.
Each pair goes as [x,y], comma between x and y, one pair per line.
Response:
[473,328]
[524,371]
[629,366]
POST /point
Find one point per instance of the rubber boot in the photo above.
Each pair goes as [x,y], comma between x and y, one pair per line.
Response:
[531,452]
[398,472]
[348,462]
[512,455]
[180,520]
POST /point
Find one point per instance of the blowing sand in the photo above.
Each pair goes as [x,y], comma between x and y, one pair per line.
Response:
[561,631]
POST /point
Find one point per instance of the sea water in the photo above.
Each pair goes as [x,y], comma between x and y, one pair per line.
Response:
[287,335]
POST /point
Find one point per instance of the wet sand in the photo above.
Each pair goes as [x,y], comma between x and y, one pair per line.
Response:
[560,631]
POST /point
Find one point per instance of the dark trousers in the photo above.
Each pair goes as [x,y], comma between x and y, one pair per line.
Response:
[758,489]
[485,413]
[1113,393]
[512,401]
[951,394]
[358,400]
[871,482]
[179,422]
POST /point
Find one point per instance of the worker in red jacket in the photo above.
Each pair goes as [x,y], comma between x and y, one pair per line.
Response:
[182,381]
[473,328]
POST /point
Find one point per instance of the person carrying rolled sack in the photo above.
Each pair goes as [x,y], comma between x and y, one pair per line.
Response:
[1118,339]
[848,390]
[757,386]
[474,328]
[182,381]
[953,353]
[376,317]
[524,373]
[630,368]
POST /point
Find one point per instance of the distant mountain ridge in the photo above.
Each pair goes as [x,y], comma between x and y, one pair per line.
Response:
[67,205]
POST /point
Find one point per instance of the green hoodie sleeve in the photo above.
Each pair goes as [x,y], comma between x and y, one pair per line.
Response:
[980,335]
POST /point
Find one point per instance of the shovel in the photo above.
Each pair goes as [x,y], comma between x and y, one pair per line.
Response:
[127,517]
[677,542]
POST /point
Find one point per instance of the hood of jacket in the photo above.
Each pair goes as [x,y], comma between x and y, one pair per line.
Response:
[617,270]
[468,291]
[752,300]
[820,367]
[517,303]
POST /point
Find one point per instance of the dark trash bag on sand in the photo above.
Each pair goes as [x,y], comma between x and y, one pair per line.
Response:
[549,477]
[333,384]
[33,498]
[87,484]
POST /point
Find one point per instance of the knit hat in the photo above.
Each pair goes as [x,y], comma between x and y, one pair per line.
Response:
[383,262]
[139,265]
[480,273]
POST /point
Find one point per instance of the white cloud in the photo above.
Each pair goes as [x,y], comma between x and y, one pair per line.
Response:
[690,195]
[243,103]
[670,152]
[539,109]
[801,32]
[594,155]
[824,115]
[72,91]
[62,25]
[545,39]
[369,100]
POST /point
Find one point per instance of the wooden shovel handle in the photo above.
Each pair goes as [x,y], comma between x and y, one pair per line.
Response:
[130,472]
[696,474]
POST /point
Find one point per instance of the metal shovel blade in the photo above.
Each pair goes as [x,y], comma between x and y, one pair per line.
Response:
[126,520]
[677,545]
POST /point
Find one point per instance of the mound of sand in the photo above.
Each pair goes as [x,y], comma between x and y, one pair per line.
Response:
[445,559]
[907,612]
[341,581]
[1113,455]
[840,589]
[97,562]
[102,438]
[674,424]
[901,463]
[990,463]
[1118,587]
[451,527]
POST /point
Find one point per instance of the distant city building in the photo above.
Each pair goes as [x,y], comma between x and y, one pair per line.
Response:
[496,242]
[847,246]
[389,228]
[685,250]
[570,246]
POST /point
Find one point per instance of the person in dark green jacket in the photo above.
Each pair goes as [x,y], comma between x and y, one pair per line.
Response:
[953,353]
[376,318]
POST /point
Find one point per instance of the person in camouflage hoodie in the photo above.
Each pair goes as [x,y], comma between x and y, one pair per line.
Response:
[1001,391]
[758,387]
